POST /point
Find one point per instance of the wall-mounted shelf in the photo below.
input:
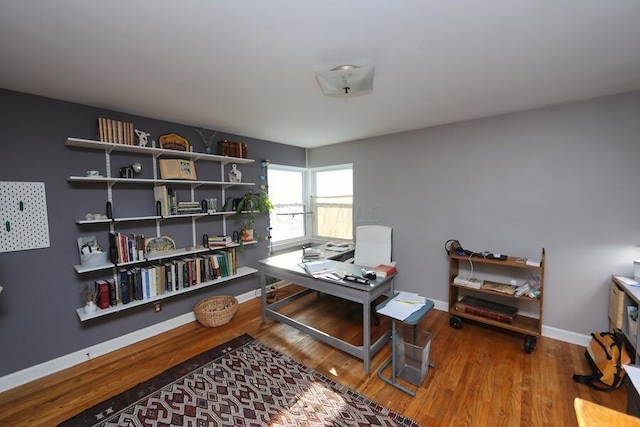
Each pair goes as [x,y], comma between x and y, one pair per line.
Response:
[109,147]
[111,182]
[242,272]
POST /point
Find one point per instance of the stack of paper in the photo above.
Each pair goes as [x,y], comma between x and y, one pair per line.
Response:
[319,268]
[403,305]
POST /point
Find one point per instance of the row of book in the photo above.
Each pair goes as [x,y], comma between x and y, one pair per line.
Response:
[167,203]
[141,283]
[232,149]
[123,248]
[115,131]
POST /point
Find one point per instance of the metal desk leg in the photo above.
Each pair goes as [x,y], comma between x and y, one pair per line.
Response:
[366,338]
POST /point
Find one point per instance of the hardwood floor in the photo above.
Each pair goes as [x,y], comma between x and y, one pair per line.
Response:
[483,376]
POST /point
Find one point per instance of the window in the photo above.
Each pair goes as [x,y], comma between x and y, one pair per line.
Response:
[311,203]
[332,202]
[287,192]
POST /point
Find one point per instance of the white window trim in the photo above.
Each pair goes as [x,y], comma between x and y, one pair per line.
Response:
[303,240]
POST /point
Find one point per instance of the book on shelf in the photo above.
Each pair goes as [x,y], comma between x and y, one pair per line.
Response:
[115,131]
[232,148]
[485,308]
[533,262]
[102,290]
[384,270]
[219,241]
[161,195]
[113,294]
[124,286]
[498,287]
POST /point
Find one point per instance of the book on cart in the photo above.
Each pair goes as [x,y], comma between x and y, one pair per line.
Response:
[485,308]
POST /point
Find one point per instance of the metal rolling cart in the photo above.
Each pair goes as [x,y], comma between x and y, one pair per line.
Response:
[409,352]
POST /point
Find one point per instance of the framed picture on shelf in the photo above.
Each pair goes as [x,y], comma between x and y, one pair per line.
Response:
[173,141]
[156,245]
[177,169]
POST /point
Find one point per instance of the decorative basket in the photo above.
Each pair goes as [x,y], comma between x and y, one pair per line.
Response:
[216,311]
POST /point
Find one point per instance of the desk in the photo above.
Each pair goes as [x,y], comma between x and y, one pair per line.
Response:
[285,267]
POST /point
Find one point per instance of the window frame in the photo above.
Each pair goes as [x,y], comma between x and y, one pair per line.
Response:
[309,177]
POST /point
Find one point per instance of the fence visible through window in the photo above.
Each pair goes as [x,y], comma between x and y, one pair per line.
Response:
[333,217]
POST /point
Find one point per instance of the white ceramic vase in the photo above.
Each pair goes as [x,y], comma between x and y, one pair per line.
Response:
[90,307]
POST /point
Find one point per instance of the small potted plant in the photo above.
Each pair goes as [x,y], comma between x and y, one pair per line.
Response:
[89,295]
[247,207]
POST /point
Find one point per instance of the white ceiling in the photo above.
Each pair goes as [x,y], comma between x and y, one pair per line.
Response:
[248,67]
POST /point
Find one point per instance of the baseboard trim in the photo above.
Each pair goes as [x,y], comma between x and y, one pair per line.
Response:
[52,366]
[547,331]
[55,365]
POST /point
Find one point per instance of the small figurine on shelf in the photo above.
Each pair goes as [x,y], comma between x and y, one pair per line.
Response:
[206,140]
[234,174]
[142,137]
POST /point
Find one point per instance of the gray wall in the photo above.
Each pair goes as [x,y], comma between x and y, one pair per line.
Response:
[564,178]
[38,321]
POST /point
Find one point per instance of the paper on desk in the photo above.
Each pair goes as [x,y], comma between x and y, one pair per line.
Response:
[634,375]
[401,310]
[627,281]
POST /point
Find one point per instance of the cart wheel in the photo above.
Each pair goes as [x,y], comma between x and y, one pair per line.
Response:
[529,344]
[455,322]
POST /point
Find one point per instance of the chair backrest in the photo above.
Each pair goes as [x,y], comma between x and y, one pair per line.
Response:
[373,245]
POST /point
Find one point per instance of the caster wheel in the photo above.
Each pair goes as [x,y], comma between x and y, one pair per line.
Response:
[455,322]
[529,344]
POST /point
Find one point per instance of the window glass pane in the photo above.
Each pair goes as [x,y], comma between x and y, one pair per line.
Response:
[333,203]
[334,183]
[286,192]
[333,217]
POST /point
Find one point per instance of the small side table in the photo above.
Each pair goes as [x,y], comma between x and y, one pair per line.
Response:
[412,320]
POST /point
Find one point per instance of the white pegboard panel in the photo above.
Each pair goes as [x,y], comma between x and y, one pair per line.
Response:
[23,216]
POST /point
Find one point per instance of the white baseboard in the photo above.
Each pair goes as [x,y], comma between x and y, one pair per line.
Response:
[47,368]
[547,331]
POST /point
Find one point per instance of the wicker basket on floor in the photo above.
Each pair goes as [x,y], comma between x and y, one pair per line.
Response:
[216,311]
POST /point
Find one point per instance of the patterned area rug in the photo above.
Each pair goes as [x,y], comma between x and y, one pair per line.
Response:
[240,383]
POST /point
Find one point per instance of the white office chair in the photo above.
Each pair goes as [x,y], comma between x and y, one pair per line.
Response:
[373,245]
[372,248]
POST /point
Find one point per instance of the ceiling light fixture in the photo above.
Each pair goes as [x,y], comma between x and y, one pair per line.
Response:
[345,80]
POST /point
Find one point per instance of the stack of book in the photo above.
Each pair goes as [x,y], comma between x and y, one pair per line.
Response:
[115,131]
[189,207]
[311,253]
[219,241]
[233,149]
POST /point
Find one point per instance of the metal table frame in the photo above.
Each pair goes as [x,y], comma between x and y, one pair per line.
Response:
[285,267]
